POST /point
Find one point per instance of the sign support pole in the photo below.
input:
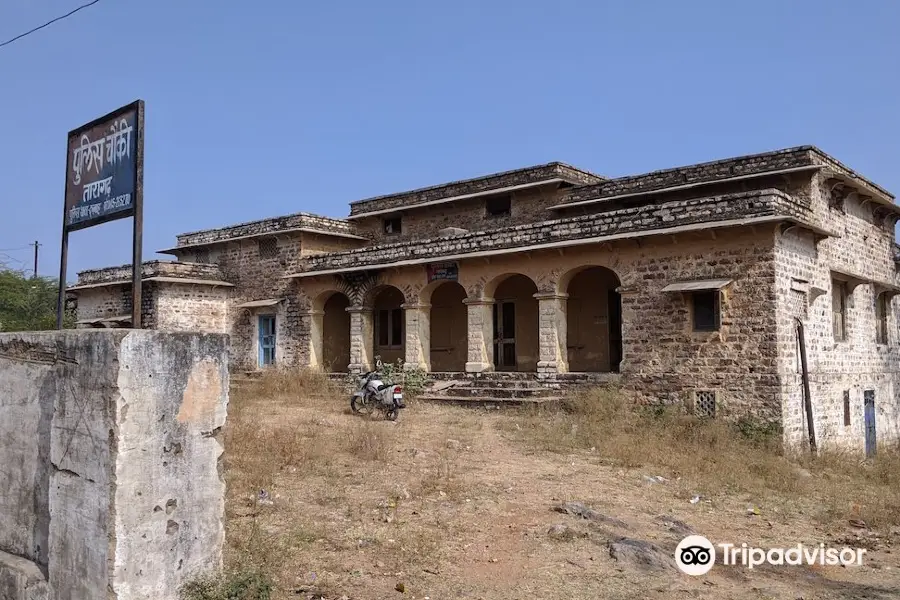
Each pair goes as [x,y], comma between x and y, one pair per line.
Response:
[64,255]
[138,236]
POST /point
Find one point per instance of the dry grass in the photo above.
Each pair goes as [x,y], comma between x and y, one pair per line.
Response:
[455,502]
[717,457]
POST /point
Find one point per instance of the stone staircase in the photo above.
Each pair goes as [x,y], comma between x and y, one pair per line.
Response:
[497,389]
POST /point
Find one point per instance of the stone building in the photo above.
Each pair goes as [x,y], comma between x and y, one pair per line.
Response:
[685,285]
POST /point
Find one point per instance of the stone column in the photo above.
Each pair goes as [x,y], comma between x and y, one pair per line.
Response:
[552,330]
[418,336]
[480,335]
[361,338]
[314,322]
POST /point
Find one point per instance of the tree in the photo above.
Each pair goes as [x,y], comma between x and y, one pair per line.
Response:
[28,304]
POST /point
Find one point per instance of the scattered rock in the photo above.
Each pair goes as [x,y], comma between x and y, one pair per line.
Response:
[264,498]
[400,587]
[453,444]
[641,554]
[752,510]
[695,499]
[675,526]
[585,512]
[563,532]
[858,523]
[655,479]
[801,472]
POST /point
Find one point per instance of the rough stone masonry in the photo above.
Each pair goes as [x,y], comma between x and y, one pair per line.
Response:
[111,483]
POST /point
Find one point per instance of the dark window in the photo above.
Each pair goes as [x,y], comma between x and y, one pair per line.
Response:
[397,327]
[706,311]
[268,247]
[846,408]
[882,310]
[392,225]
[389,328]
[839,310]
[498,206]
[201,256]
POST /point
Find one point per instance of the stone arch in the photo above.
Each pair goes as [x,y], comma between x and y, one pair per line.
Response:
[448,327]
[389,322]
[330,331]
[593,318]
[489,288]
[514,319]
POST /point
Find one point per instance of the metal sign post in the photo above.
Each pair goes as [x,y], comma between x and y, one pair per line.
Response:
[105,182]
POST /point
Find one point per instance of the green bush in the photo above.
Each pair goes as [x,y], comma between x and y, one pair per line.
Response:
[243,585]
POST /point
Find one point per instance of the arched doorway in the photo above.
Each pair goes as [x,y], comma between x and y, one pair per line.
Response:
[448,327]
[390,327]
[336,334]
[594,317]
[515,318]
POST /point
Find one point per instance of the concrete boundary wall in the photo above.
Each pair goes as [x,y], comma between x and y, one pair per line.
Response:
[110,473]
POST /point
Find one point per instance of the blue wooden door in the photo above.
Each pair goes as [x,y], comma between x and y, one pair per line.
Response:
[869,403]
[266,340]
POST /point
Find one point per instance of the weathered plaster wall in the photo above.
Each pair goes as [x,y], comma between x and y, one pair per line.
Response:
[857,363]
[111,462]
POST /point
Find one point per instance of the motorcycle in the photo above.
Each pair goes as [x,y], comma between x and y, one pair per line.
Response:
[374,392]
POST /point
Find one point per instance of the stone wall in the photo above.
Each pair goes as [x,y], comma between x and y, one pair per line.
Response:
[528,175]
[154,268]
[190,307]
[760,203]
[268,226]
[526,206]
[115,300]
[257,275]
[858,363]
[111,476]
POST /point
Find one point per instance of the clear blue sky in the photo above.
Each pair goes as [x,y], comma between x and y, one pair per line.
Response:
[256,109]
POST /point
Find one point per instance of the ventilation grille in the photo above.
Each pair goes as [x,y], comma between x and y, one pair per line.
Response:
[705,404]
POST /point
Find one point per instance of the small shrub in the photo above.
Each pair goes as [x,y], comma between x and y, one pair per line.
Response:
[369,442]
[243,585]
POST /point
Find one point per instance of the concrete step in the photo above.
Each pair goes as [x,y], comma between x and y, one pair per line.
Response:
[486,392]
[487,401]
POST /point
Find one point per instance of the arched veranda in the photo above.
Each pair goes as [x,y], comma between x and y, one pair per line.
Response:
[515,322]
[330,332]
[389,330]
[594,319]
[448,336]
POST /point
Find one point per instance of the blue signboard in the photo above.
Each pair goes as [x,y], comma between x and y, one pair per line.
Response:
[103,168]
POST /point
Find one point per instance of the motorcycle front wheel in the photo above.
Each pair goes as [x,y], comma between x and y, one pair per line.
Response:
[359,405]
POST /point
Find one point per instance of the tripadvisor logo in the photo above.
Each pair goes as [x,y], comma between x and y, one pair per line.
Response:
[696,555]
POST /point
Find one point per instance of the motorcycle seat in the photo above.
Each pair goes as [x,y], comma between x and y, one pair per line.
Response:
[384,386]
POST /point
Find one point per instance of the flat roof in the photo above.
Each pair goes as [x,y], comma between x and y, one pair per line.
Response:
[463,188]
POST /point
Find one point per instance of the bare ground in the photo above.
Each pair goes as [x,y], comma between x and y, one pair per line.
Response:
[457,503]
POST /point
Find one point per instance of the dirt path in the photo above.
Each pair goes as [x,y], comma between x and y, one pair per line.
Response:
[450,503]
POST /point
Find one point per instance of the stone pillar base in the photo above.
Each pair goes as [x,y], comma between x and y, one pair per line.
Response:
[479,367]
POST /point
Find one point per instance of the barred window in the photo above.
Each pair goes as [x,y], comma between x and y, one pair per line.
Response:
[268,247]
[201,256]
